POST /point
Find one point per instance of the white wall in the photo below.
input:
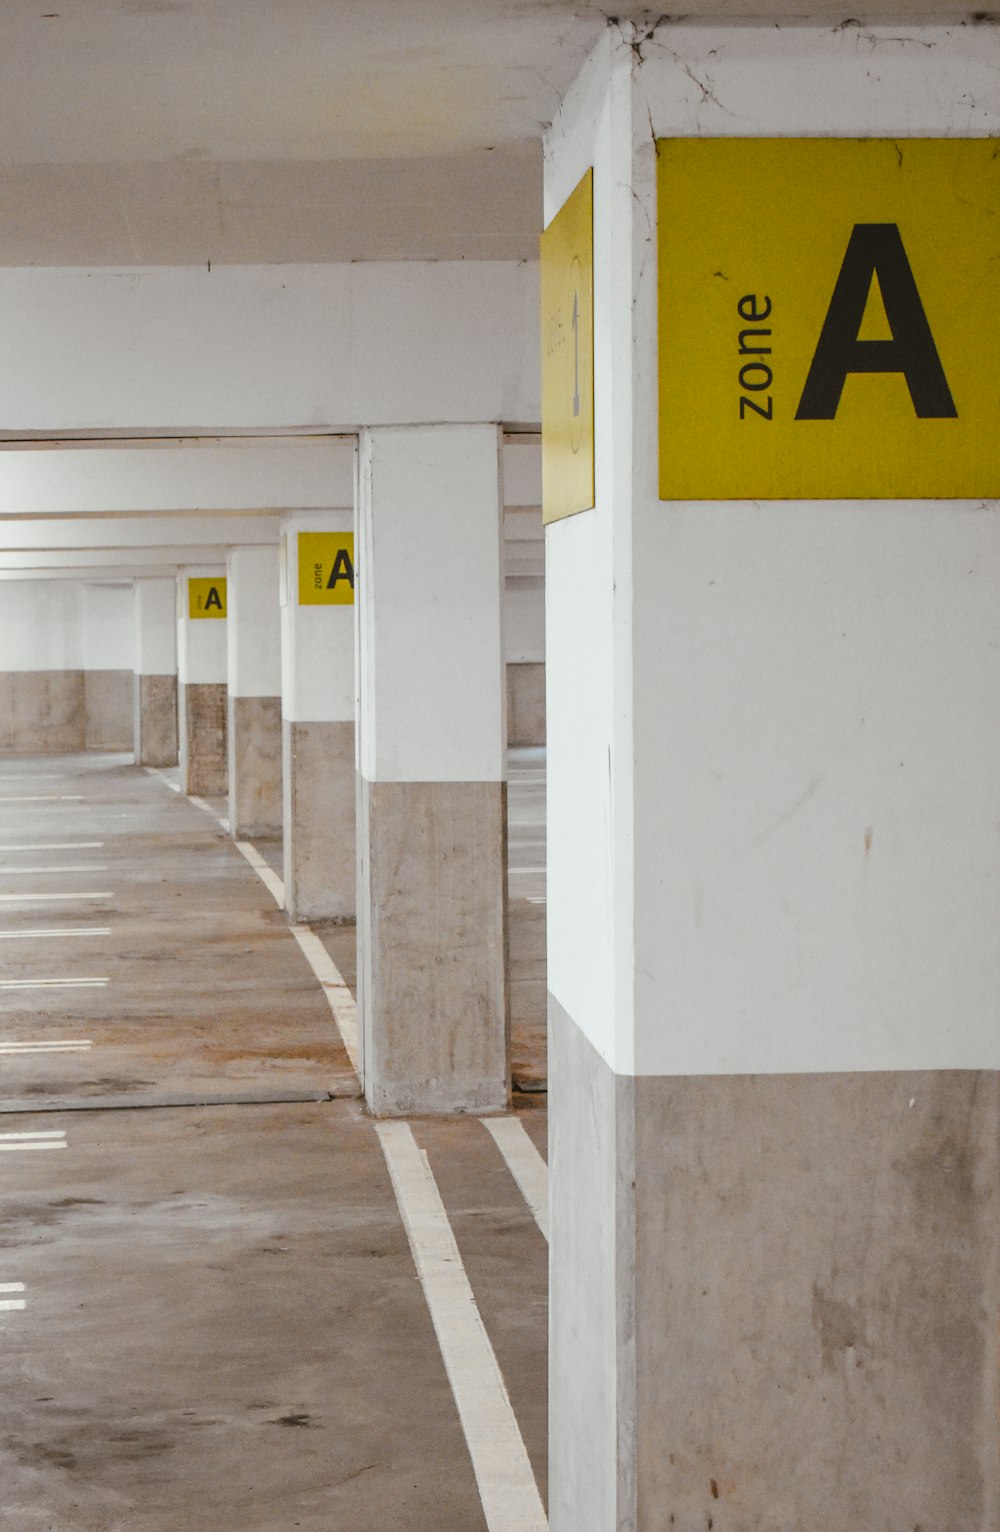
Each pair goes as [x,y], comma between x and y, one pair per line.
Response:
[281,346]
[798,872]
[253,622]
[40,626]
[202,642]
[155,627]
[108,630]
[524,619]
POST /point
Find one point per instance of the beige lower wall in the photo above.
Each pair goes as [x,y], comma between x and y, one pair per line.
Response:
[108,709]
[775,1299]
[42,712]
[526,704]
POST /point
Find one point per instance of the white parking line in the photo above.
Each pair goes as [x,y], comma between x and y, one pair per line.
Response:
[71,1045]
[524,1163]
[154,771]
[53,983]
[11,936]
[104,893]
[507,1488]
[58,845]
[7,1305]
[341,1001]
[23,872]
[269,878]
[46,798]
[24,1143]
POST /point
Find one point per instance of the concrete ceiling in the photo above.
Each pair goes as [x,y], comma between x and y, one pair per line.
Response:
[143,132]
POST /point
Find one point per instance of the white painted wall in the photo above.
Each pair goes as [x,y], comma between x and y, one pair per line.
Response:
[40,626]
[74,481]
[253,622]
[282,346]
[430,660]
[799,871]
[202,650]
[317,642]
[154,616]
[524,620]
[108,631]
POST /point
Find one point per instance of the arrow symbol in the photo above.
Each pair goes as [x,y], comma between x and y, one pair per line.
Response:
[576,354]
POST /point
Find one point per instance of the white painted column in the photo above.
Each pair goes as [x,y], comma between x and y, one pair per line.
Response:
[253,629]
[202,669]
[773,900]
[154,689]
[317,705]
[432,789]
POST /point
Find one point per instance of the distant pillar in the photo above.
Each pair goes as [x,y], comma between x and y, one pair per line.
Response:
[254,680]
[154,681]
[317,700]
[202,671]
[432,789]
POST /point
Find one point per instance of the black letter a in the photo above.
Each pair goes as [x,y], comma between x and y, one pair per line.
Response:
[876,249]
[213,598]
[342,569]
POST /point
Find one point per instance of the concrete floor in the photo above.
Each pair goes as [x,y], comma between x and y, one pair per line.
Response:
[222,1326]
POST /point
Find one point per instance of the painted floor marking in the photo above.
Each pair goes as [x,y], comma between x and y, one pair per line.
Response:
[154,771]
[267,876]
[89,893]
[9,1304]
[341,1001]
[82,983]
[22,1143]
[200,803]
[10,936]
[525,1164]
[21,872]
[46,798]
[71,1045]
[57,845]
[507,1488]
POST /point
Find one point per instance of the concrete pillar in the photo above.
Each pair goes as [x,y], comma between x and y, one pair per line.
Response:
[202,675]
[773,729]
[254,666]
[432,789]
[317,702]
[154,679]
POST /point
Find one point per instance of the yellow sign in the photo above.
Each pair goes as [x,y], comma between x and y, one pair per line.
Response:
[207,598]
[567,271]
[326,569]
[829,318]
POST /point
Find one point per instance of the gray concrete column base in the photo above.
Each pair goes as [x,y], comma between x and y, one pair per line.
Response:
[154,720]
[432,946]
[774,1299]
[42,711]
[204,749]
[319,810]
[255,749]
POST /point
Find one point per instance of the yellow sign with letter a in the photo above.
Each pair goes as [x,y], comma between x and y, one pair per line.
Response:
[829,318]
[326,569]
[207,598]
[567,274]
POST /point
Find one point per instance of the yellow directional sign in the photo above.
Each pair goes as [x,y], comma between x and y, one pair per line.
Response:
[326,569]
[567,273]
[829,318]
[207,598]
